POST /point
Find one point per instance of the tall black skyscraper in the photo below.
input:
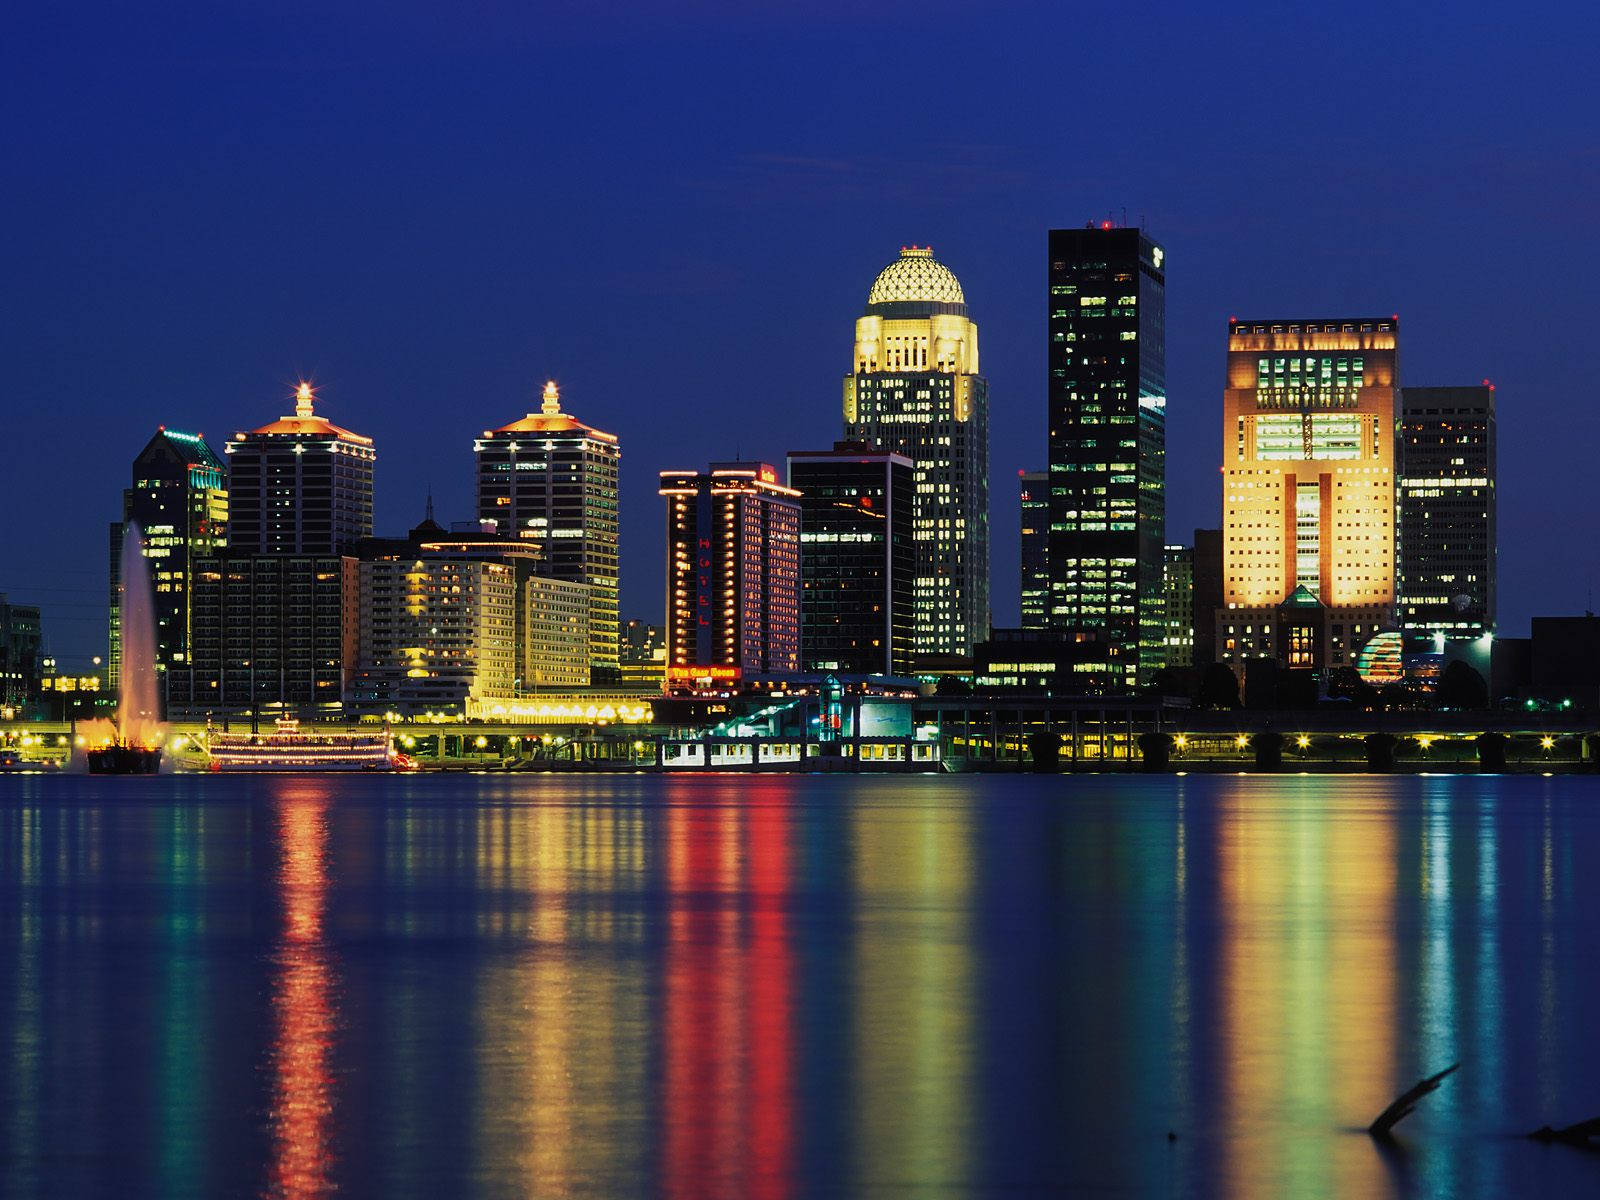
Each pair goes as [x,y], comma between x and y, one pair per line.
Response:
[179,500]
[1447,517]
[1033,491]
[1107,409]
[858,559]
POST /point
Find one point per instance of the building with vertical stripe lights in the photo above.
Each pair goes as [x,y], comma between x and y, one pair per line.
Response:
[914,389]
[1308,483]
[733,575]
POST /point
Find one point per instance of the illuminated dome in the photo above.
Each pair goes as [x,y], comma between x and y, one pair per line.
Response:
[916,277]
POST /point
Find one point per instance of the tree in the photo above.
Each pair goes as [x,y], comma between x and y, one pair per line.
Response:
[1219,687]
[1461,687]
[1345,684]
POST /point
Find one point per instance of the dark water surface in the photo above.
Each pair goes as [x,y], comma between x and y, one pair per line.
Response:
[773,987]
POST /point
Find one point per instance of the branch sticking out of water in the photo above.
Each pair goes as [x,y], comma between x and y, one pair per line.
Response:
[1583,1134]
[1406,1103]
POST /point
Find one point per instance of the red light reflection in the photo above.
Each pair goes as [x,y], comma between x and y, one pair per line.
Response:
[302,1002]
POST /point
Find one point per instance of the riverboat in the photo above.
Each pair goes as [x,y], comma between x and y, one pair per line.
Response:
[288,748]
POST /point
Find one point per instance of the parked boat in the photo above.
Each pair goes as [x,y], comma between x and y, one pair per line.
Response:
[288,748]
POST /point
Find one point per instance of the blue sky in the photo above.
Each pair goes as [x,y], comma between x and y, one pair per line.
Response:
[676,211]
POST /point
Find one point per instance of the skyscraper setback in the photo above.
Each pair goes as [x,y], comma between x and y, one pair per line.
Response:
[551,480]
[915,389]
[1447,510]
[1107,396]
[1308,489]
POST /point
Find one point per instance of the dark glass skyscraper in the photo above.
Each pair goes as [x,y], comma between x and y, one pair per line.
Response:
[1107,410]
[1447,516]
[858,559]
[179,499]
[1033,489]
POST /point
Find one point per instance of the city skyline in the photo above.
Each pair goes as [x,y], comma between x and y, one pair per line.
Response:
[189,243]
[303,393]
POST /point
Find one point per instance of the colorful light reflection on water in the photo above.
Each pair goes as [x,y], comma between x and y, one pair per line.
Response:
[774,987]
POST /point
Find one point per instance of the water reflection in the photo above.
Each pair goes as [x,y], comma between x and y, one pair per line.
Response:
[302,998]
[774,987]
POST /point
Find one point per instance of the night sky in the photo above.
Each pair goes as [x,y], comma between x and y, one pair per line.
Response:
[676,212]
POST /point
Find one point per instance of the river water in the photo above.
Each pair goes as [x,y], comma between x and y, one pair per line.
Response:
[795,986]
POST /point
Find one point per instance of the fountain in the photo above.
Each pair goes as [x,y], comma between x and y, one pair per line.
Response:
[131,745]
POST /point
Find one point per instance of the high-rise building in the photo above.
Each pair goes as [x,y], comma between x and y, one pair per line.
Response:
[549,479]
[299,485]
[1034,491]
[1308,501]
[858,559]
[435,633]
[19,653]
[1447,504]
[1178,586]
[556,649]
[733,574]
[1107,397]
[644,654]
[915,389]
[271,631]
[179,500]
[1207,597]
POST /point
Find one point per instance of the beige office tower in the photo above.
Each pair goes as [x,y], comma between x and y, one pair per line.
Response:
[1308,490]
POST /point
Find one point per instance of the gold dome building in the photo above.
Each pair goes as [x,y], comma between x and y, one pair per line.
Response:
[915,390]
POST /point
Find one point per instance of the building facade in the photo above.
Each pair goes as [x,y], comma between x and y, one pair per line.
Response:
[551,480]
[1107,396]
[299,485]
[1309,418]
[915,389]
[733,574]
[272,632]
[1033,489]
[1178,605]
[556,651]
[1448,519]
[19,653]
[179,500]
[644,654]
[433,633]
[1207,595]
[858,559]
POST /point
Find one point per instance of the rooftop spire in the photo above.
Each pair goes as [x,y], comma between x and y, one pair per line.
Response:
[303,395]
[552,399]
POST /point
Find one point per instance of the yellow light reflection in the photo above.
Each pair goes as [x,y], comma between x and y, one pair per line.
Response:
[913,990]
[1308,986]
